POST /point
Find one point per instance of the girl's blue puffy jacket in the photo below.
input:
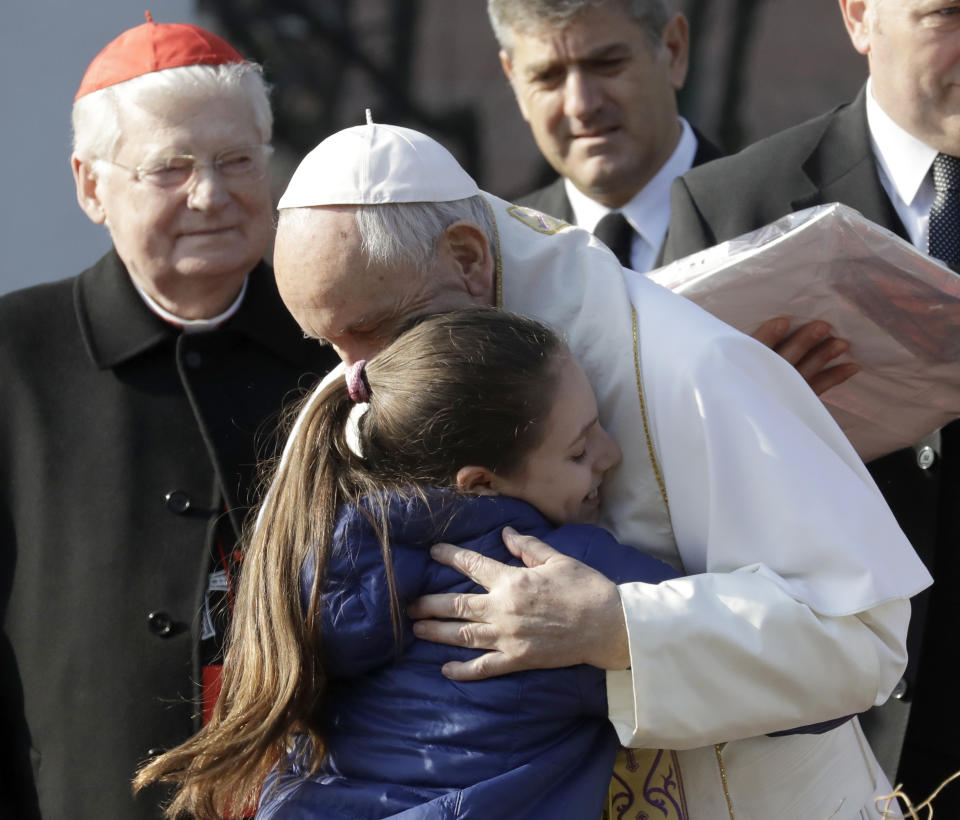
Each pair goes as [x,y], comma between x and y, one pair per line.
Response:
[405,742]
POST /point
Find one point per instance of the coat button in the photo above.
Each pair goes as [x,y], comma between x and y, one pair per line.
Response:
[161,624]
[900,690]
[926,456]
[155,751]
[177,501]
[193,359]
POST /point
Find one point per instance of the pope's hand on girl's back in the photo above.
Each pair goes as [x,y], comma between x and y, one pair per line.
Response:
[554,611]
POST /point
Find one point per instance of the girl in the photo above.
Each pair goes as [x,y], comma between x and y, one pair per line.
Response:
[469,422]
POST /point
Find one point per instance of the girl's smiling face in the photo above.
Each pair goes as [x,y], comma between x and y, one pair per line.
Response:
[561,476]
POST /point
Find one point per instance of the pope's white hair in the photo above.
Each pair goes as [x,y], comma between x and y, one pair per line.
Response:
[409,232]
[405,234]
[97,127]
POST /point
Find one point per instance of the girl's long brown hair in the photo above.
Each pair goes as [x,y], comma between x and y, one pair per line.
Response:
[462,388]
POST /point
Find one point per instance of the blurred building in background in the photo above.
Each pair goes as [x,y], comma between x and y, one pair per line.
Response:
[757,66]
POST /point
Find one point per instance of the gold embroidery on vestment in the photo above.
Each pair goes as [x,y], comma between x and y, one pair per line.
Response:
[646,784]
[534,219]
[643,411]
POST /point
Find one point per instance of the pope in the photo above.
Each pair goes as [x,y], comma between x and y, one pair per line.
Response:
[795,602]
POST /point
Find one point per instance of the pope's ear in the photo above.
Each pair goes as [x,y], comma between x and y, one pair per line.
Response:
[470,249]
[86,181]
[476,481]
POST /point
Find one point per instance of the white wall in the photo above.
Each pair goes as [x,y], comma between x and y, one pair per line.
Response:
[45,46]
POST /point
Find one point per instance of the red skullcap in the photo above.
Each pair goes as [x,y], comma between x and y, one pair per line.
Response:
[154,47]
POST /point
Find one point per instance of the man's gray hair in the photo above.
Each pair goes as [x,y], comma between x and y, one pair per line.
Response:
[97,126]
[408,233]
[509,16]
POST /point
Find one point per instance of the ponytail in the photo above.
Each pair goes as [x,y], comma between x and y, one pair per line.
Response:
[468,387]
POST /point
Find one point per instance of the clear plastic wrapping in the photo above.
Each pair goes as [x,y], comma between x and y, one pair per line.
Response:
[898,308]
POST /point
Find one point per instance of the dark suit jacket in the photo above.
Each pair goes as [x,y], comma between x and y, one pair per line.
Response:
[552,199]
[104,410]
[830,159]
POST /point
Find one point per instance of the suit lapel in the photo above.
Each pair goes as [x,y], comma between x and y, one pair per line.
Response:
[842,168]
[556,196]
[706,150]
[115,323]
[551,200]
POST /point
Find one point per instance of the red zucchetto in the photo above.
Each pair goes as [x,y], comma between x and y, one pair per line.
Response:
[154,47]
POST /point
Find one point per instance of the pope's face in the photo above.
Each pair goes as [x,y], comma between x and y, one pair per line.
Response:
[600,98]
[212,227]
[913,47]
[339,297]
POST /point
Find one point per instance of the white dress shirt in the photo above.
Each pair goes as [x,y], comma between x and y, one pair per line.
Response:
[904,164]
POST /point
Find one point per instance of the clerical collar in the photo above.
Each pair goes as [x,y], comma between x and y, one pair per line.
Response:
[649,211]
[903,158]
[192,325]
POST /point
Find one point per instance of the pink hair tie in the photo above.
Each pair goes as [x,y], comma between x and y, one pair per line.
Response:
[356,384]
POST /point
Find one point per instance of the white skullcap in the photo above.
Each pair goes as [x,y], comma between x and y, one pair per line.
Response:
[371,164]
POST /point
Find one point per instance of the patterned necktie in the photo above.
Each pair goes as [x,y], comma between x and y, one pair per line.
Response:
[617,234]
[943,238]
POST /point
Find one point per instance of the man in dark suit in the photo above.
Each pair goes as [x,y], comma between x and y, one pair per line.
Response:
[597,83]
[884,154]
[134,401]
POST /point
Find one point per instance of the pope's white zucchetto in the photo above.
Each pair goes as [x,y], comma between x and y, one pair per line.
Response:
[374,164]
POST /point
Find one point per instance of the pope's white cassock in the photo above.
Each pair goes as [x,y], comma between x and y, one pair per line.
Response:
[794,608]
